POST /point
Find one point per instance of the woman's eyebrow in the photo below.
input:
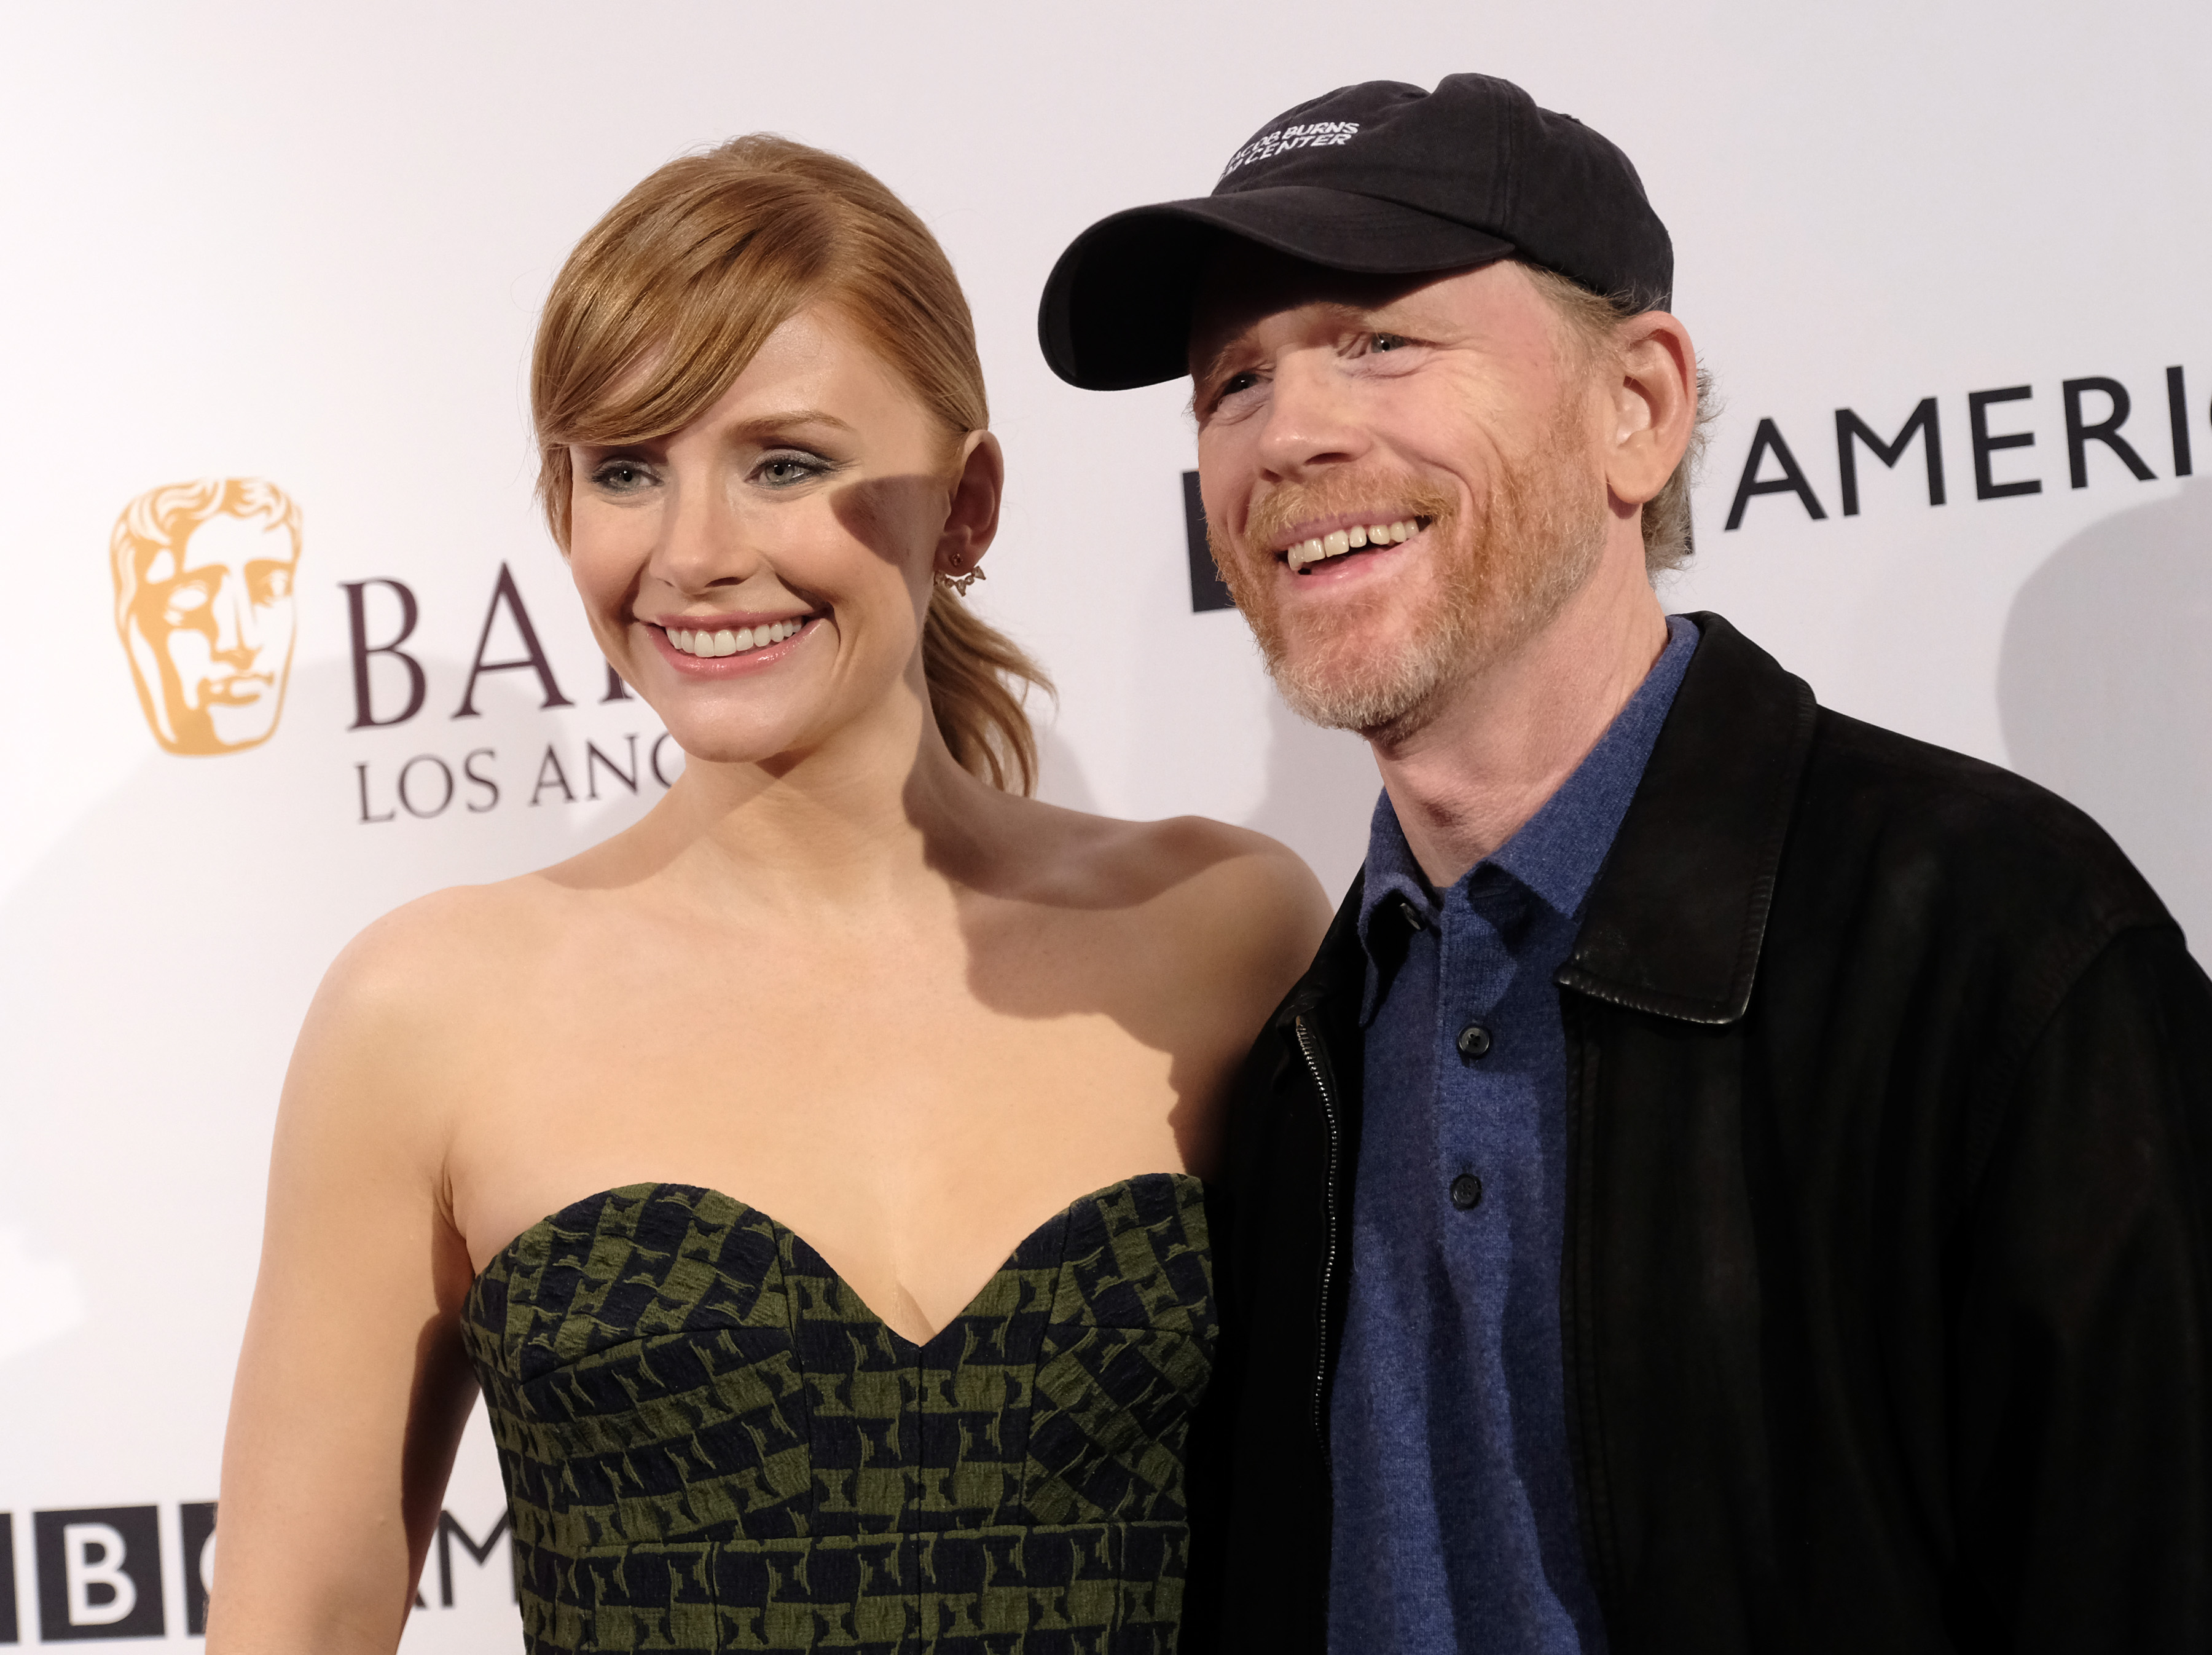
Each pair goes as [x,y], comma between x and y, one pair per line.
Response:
[786,419]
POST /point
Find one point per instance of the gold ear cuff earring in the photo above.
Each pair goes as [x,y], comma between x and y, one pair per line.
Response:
[958,584]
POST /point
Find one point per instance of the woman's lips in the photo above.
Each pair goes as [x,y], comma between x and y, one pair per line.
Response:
[698,650]
[711,640]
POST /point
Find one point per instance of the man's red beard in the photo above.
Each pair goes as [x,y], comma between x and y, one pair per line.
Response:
[1495,582]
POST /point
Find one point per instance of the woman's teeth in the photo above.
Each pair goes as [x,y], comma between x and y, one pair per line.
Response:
[729,641]
[1336,543]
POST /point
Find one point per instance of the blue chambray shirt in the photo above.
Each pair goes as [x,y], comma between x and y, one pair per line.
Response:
[1455,1526]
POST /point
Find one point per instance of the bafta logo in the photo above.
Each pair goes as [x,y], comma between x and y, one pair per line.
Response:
[204,602]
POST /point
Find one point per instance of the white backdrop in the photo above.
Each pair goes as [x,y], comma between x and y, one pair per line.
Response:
[304,245]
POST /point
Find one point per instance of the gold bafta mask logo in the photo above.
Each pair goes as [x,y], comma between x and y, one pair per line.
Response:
[204,602]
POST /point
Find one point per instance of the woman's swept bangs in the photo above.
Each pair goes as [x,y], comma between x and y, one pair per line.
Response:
[663,303]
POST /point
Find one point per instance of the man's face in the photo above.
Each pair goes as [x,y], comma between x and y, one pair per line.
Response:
[217,614]
[1453,413]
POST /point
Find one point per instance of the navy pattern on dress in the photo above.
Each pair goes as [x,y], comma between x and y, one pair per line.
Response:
[710,1442]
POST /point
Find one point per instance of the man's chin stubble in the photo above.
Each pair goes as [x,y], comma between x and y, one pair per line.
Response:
[1501,584]
[1386,695]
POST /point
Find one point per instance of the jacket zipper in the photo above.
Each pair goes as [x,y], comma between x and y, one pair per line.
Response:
[1309,1048]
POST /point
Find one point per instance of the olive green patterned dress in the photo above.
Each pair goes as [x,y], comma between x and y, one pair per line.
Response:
[711,1443]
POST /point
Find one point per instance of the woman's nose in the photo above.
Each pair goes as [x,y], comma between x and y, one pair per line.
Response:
[703,541]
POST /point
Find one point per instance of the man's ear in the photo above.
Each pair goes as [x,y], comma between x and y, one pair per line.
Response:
[971,518]
[1655,406]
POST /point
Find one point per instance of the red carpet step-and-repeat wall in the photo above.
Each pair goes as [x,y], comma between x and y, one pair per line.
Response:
[291,645]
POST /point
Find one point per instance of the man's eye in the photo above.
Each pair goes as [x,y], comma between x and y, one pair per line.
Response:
[622,476]
[1389,342]
[187,596]
[1234,385]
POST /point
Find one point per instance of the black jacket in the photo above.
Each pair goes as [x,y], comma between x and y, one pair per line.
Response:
[1887,1297]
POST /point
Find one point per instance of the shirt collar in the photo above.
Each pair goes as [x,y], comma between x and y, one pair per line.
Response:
[1558,852]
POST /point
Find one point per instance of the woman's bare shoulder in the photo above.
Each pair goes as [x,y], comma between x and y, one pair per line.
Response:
[1245,880]
[440,958]
[1216,885]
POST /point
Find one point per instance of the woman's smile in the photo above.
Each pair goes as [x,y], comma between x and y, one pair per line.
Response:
[725,646]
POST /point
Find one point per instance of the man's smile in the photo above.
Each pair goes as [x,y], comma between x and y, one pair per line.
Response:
[1340,538]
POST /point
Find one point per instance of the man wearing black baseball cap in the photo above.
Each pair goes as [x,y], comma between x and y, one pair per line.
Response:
[1734,1179]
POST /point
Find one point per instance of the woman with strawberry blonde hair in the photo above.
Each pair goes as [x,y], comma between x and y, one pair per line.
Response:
[809,1177]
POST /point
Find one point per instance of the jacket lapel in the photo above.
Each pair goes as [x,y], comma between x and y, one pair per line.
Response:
[1674,923]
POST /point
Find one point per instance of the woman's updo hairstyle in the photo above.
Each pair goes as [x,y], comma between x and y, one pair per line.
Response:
[668,299]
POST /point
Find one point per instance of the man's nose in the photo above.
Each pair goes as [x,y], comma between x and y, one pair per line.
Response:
[1312,416]
[237,629]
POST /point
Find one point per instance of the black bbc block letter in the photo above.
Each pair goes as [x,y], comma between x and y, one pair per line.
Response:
[1208,590]
[198,1524]
[99,1574]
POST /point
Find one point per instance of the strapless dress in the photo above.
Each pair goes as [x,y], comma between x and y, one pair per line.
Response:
[710,1442]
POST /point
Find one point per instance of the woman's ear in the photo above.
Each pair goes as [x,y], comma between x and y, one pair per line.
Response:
[971,518]
[1655,404]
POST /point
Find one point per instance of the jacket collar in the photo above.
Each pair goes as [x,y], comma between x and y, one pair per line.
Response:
[1677,917]
[1674,922]
[1338,976]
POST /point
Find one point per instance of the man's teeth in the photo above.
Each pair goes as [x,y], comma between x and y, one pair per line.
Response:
[731,641]
[1340,541]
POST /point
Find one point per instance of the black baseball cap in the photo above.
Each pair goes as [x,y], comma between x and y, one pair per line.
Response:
[1380,177]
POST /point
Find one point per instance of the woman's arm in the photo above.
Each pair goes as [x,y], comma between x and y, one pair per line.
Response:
[352,1388]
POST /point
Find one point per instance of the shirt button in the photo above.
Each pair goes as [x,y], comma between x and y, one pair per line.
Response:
[1473,1041]
[1466,1191]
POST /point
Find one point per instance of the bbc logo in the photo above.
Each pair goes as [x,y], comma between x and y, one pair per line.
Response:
[99,1571]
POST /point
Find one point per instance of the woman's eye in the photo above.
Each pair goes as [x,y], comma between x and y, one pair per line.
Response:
[622,476]
[783,470]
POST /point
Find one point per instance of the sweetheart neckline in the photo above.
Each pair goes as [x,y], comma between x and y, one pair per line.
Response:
[831,1270]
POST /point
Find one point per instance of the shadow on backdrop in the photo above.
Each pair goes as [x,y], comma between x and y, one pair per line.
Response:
[2105,683]
[1060,780]
[1321,794]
